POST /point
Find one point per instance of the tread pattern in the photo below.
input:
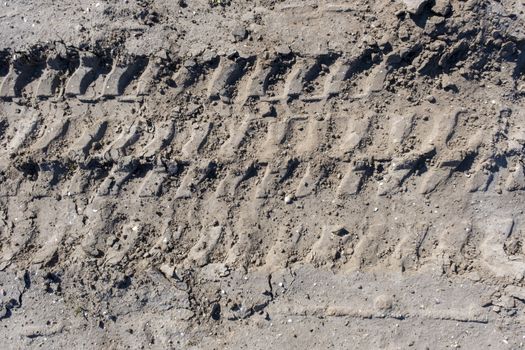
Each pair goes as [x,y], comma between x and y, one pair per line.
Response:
[198,165]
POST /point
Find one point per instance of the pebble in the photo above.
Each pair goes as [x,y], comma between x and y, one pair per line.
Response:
[485,301]
[383,302]
[431,99]
[239,33]
[209,55]
[224,271]
[442,7]
[339,230]
[447,83]
[266,109]
[111,240]
[167,270]
[415,6]
[189,63]
[232,53]
[288,199]
[173,169]
[283,50]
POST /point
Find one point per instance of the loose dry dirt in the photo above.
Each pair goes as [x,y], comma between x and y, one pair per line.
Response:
[262,174]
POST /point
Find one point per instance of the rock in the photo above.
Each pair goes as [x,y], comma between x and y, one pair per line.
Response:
[485,301]
[61,49]
[385,43]
[447,84]
[239,33]
[112,239]
[167,270]
[339,230]
[383,302]
[189,64]
[288,199]
[283,50]
[431,99]
[223,97]
[232,53]
[172,168]
[415,6]
[266,109]
[222,270]
[442,7]
[209,56]
[163,54]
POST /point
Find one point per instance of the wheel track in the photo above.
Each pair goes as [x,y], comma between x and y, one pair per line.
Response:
[126,150]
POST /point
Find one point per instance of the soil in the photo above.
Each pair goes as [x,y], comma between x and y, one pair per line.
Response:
[227,174]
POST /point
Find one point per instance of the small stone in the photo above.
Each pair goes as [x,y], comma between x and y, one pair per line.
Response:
[224,98]
[431,99]
[415,6]
[266,109]
[339,230]
[173,169]
[224,271]
[447,83]
[485,301]
[189,64]
[288,199]
[239,33]
[442,7]
[283,50]
[163,54]
[232,53]
[385,41]
[209,56]
[167,270]
[111,240]
[383,302]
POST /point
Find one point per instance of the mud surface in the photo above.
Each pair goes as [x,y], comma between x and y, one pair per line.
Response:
[262,174]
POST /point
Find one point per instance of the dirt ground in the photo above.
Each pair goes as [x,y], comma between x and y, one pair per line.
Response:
[262,174]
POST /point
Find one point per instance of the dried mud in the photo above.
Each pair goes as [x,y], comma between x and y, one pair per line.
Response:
[262,174]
